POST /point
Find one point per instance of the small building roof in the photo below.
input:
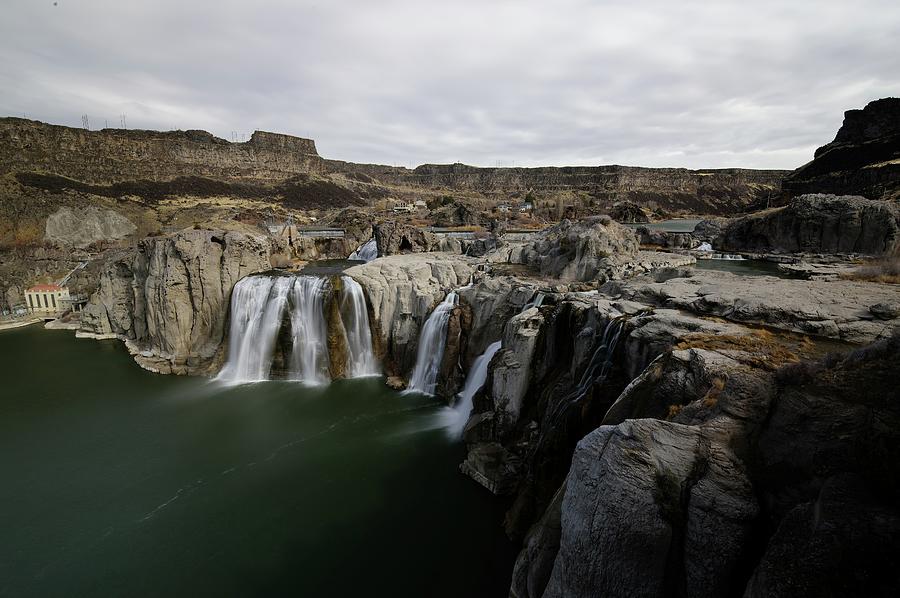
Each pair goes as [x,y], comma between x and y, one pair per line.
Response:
[44,288]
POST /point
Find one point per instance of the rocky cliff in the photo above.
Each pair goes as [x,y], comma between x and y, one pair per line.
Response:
[168,297]
[863,159]
[115,155]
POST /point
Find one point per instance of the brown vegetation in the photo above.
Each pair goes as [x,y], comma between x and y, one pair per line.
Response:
[884,270]
[760,348]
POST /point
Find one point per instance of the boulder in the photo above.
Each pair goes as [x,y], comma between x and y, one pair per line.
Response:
[651,507]
[626,211]
[586,250]
[818,224]
[68,227]
[394,238]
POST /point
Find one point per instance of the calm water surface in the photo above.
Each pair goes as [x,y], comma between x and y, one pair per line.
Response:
[744,267]
[118,482]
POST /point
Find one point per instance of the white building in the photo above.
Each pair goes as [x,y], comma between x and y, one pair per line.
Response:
[47,298]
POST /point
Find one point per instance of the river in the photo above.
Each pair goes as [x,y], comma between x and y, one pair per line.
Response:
[117,481]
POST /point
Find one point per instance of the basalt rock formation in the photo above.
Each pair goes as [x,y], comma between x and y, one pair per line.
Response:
[863,159]
[586,250]
[168,297]
[393,238]
[818,224]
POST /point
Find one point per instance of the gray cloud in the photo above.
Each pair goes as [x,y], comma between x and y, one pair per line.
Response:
[654,83]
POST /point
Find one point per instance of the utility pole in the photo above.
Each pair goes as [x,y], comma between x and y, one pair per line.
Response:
[85,122]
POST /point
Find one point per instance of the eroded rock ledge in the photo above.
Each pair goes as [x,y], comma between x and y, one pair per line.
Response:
[168,297]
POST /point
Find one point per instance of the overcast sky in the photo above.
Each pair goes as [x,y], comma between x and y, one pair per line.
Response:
[577,82]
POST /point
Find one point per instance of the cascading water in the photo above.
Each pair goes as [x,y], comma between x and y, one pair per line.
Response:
[455,417]
[705,247]
[257,307]
[355,316]
[366,252]
[309,352]
[596,371]
[431,347]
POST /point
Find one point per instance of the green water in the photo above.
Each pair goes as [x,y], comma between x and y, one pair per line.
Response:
[118,482]
[744,267]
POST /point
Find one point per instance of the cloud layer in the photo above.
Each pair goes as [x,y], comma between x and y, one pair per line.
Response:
[572,82]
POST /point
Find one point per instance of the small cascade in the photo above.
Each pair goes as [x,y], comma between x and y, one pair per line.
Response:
[458,415]
[705,247]
[431,347]
[355,316]
[366,252]
[596,371]
[257,307]
[309,352]
[536,301]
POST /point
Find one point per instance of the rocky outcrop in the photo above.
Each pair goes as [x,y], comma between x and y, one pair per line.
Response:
[712,454]
[402,290]
[626,211]
[818,224]
[823,308]
[863,159]
[394,238]
[668,239]
[586,250]
[80,228]
[168,297]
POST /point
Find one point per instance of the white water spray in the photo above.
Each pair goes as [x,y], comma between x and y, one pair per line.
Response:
[366,252]
[257,307]
[455,417]
[431,347]
[309,354]
[355,316]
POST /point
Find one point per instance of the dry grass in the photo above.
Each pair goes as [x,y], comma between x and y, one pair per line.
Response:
[884,270]
[711,398]
[760,348]
[673,411]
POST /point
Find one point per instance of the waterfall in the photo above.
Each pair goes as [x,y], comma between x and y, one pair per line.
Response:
[457,416]
[536,301]
[431,347]
[366,252]
[705,247]
[355,316]
[257,307]
[596,371]
[309,352]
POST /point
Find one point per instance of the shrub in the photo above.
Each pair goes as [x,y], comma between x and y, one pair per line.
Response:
[884,270]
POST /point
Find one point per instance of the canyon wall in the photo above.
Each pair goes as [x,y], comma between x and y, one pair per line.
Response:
[111,156]
[115,155]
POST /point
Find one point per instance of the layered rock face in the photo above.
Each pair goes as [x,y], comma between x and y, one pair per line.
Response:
[818,224]
[582,250]
[115,155]
[671,189]
[863,159]
[169,296]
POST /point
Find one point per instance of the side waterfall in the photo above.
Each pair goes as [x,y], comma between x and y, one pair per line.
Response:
[458,415]
[366,252]
[309,352]
[257,306]
[431,347]
[355,317]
